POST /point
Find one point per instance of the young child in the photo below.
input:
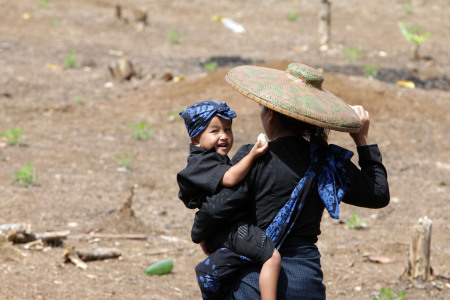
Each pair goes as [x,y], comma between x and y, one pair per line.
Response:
[209,127]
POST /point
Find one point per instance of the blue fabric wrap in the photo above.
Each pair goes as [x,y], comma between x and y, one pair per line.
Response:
[198,116]
[214,273]
[332,184]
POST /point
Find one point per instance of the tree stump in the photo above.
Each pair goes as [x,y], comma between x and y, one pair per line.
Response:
[418,266]
[324,24]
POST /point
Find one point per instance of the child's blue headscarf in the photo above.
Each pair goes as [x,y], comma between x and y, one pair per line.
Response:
[198,116]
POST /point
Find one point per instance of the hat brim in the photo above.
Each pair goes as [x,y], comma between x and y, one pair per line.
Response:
[282,92]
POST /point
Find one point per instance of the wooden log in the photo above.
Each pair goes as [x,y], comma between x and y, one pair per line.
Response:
[21,227]
[79,257]
[418,266]
[324,24]
[99,254]
[109,236]
[19,237]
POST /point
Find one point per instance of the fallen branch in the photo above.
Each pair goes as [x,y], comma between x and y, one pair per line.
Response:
[21,227]
[79,257]
[109,236]
[21,237]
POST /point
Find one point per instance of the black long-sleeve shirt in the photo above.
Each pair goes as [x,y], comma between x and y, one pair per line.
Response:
[202,175]
[270,182]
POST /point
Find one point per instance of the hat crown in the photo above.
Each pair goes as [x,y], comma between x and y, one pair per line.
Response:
[306,74]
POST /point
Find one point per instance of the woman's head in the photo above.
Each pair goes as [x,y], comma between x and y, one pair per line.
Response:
[277,125]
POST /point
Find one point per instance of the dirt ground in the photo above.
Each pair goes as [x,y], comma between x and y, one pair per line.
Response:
[76,121]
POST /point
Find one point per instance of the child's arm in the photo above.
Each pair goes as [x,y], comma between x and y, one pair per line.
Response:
[237,172]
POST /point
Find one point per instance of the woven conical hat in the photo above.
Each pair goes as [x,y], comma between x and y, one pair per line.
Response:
[297,93]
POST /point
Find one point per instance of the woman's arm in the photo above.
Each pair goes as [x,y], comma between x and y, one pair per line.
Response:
[369,186]
[236,173]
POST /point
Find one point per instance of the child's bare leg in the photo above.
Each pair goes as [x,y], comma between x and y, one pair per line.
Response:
[268,277]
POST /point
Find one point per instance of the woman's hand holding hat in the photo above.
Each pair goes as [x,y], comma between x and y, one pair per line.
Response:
[361,137]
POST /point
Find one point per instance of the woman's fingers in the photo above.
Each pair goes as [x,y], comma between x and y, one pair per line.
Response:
[361,137]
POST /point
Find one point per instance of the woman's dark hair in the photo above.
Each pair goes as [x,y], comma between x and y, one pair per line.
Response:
[304,129]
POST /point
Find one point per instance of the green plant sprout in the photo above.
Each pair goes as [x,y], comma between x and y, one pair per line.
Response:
[412,34]
[124,160]
[353,54]
[442,183]
[212,66]
[371,71]
[13,136]
[387,294]
[354,222]
[293,16]
[24,176]
[174,36]
[408,9]
[142,131]
[70,61]
[79,98]
[43,3]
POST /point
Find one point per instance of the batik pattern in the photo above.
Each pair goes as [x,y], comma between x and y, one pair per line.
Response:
[198,116]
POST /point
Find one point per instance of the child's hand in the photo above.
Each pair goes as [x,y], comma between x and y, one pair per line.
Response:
[259,149]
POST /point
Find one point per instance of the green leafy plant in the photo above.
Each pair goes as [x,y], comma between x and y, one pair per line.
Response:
[371,71]
[412,34]
[354,222]
[79,98]
[43,3]
[124,160]
[212,66]
[293,16]
[25,176]
[142,131]
[13,136]
[387,294]
[353,54]
[408,9]
[70,61]
[174,36]
[442,183]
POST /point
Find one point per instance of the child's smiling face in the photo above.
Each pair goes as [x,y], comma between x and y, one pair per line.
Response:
[218,134]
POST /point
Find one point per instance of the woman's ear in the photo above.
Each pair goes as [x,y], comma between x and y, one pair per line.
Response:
[271,116]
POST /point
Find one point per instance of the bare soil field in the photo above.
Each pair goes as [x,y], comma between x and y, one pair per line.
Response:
[76,123]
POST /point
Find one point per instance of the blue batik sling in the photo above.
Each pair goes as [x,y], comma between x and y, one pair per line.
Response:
[332,184]
[328,168]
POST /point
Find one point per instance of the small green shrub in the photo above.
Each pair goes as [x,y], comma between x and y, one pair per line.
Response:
[24,176]
[354,222]
[43,3]
[371,71]
[142,131]
[387,294]
[79,98]
[353,54]
[412,34]
[174,36]
[70,61]
[293,16]
[13,136]
[408,9]
[124,160]
[212,66]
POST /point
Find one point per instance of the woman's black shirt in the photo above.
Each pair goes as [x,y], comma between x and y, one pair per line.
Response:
[270,182]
